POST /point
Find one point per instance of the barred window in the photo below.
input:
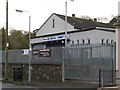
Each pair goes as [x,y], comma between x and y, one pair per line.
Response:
[83,41]
[88,41]
[102,41]
[112,41]
[78,42]
[72,42]
[107,41]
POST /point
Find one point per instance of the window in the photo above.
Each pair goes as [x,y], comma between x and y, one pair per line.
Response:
[102,41]
[83,41]
[78,42]
[72,42]
[53,23]
[112,41]
[88,41]
[107,41]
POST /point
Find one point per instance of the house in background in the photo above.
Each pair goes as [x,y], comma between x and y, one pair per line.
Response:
[79,31]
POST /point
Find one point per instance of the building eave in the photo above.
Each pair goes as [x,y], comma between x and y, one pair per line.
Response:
[80,30]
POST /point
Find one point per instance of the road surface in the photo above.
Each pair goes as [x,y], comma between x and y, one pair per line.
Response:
[48,86]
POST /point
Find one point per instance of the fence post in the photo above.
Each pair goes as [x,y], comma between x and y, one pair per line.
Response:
[112,58]
[63,64]
[102,81]
[99,77]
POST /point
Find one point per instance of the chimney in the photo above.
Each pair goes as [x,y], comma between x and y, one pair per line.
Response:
[73,15]
[95,19]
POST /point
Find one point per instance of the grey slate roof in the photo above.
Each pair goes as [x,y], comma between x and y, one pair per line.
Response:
[80,23]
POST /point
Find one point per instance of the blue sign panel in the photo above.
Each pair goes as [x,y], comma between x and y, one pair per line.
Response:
[53,38]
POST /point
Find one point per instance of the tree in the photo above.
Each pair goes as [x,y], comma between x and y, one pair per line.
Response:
[18,39]
[2,38]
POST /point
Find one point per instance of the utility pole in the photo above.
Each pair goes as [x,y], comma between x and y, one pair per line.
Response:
[66,43]
[63,61]
[6,45]
[66,24]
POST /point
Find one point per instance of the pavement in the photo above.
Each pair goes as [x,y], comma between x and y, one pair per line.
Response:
[110,88]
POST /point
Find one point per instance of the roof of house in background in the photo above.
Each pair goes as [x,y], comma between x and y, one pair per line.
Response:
[80,23]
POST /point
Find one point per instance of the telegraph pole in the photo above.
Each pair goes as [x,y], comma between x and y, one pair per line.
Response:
[6,45]
[66,43]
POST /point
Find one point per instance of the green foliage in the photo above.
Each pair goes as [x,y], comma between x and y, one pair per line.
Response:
[18,39]
[2,38]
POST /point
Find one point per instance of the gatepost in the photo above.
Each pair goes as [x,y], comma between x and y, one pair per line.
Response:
[117,36]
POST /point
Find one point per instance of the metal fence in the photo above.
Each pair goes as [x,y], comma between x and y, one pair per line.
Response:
[82,62]
[17,56]
[107,78]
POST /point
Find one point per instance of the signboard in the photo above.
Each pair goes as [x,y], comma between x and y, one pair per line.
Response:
[39,46]
[25,51]
[45,52]
[35,52]
[53,38]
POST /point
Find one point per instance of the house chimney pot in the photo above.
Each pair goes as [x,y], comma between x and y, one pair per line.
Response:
[95,19]
[73,15]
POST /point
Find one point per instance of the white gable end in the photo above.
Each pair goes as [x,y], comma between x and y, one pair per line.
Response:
[53,25]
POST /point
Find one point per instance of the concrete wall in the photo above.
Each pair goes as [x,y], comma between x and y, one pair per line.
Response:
[36,40]
[95,36]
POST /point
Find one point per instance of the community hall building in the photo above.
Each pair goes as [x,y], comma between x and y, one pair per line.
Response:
[79,32]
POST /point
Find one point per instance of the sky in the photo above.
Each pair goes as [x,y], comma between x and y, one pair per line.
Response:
[40,11]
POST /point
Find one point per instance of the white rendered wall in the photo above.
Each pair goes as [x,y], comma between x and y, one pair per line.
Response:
[95,36]
[59,24]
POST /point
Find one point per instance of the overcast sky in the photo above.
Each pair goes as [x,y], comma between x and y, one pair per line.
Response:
[41,10]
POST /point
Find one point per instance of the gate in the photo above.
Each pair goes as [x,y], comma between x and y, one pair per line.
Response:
[107,78]
[17,74]
[83,62]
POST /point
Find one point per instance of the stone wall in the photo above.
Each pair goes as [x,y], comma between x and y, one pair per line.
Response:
[39,72]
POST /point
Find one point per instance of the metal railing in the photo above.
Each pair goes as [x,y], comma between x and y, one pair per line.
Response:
[81,62]
[107,78]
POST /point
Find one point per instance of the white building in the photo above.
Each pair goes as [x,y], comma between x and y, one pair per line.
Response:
[80,31]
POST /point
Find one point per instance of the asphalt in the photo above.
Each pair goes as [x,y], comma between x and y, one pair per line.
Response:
[66,84]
